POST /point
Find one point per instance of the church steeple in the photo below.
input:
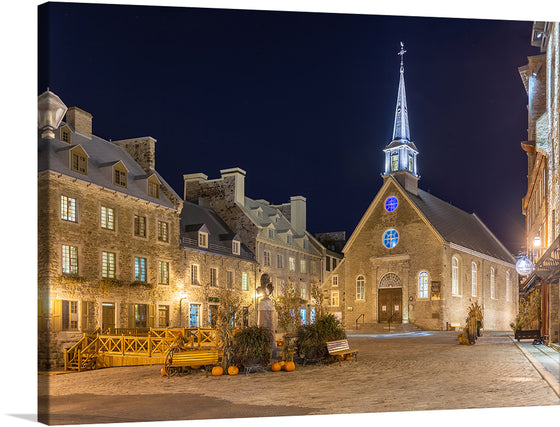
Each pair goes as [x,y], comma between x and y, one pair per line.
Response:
[400,154]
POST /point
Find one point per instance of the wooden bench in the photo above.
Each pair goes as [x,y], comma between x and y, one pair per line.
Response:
[177,359]
[533,334]
[339,349]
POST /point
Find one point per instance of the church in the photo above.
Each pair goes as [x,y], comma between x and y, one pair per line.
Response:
[414,258]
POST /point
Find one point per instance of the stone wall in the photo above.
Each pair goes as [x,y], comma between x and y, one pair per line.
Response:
[143,150]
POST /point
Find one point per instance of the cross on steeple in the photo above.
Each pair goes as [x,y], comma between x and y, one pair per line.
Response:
[401,53]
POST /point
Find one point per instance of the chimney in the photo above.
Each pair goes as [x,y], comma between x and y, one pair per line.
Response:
[142,150]
[192,186]
[79,120]
[298,212]
[238,176]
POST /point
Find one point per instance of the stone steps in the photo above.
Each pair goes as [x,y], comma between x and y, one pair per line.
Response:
[384,328]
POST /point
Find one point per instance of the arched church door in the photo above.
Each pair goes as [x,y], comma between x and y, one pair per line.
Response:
[390,299]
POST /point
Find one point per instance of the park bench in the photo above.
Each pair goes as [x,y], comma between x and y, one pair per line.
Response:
[177,359]
[533,334]
[339,349]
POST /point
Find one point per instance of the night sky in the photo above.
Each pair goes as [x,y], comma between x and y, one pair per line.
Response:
[304,102]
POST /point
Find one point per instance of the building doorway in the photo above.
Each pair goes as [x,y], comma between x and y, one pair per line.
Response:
[108,316]
[390,299]
[390,305]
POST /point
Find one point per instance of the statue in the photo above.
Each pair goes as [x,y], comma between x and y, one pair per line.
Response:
[265,306]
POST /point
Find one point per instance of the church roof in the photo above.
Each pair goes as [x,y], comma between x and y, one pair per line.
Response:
[459,227]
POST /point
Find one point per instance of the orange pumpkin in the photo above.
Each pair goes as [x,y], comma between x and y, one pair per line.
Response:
[217,371]
[282,363]
[276,367]
[233,370]
[163,374]
[289,366]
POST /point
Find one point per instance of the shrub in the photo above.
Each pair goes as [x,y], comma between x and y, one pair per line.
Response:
[312,339]
[252,343]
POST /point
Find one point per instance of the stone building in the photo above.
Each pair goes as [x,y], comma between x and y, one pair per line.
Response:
[541,203]
[414,258]
[112,254]
[276,234]
[215,259]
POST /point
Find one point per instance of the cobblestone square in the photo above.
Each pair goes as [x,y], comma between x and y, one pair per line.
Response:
[400,372]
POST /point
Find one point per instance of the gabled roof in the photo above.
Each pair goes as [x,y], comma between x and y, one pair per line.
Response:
[53,156]
[450,224]
[459,227]
[220,236]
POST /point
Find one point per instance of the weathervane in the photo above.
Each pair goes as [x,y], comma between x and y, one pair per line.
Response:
[401,53]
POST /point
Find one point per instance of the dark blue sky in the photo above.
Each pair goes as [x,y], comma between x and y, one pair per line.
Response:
[304,102]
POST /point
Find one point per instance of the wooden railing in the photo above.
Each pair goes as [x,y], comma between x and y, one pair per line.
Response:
[82,355]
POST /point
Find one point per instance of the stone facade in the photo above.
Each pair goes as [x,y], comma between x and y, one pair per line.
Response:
[541,203]
[110,253]
[369,264]
[275,233]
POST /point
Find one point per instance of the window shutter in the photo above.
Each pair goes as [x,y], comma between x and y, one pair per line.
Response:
[42,315]
[87,313]
[131,322]
[151,315]
[56,310]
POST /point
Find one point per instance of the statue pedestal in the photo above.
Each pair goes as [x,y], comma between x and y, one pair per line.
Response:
[266,314]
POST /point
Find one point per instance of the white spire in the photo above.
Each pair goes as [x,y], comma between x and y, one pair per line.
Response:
[400,129]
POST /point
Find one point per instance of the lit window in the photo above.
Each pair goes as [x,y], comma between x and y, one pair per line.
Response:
[107,218]
[163,231]
[213,276]
[140,269]
[108,265]
[244,282]
[360,288]
[508,287]
[334,299]
[334,280]
[492,283]
[139,226]
[474,278]
[303,293]
[194,316]
[69,259]
[120,178]
[236,247]
[279,261]
[455,276]
[202,239]
[394,161]
[68,208]
[423,285]
[391,204]
[410,163]
[163,272]
[292,263]
[303,315]
[390,238]
[266,258]
[194,274]
[303,266]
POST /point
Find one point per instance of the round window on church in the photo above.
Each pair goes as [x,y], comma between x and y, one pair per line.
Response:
[390,238]
[391,204]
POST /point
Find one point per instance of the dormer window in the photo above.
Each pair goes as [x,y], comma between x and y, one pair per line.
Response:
[236,247]
[78,160]
[270,233]
[305,244]
[202,239]
[153,188]
[65,134]
[289,239]
[119,175]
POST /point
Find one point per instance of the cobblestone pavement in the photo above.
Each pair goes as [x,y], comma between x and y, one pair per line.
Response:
[411,372]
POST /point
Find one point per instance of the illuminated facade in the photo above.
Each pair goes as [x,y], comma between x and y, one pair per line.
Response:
[541,203]
[414,258]
[113,248]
